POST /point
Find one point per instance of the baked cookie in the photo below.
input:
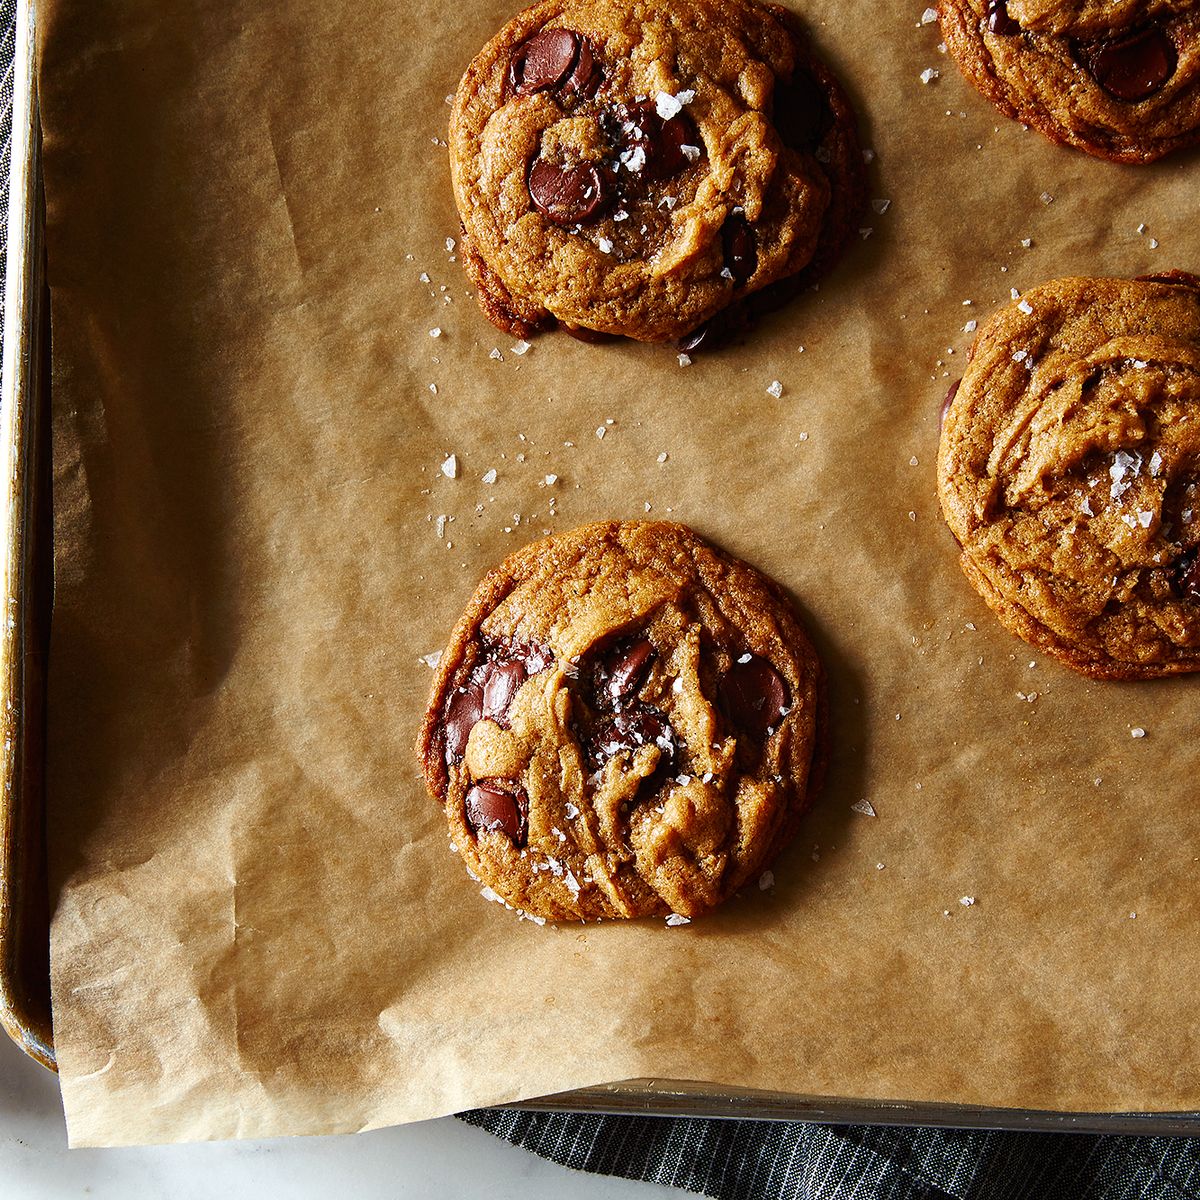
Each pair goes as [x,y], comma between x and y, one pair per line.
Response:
[625,723]
[1069,471]
[1120,81]
[632,167]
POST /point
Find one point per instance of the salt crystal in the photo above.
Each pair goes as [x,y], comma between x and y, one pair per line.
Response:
[441,526]
[1139,365]
[551,480]
[912,462]
[746,658]
[450,467]
[600,432]
[424,277]
[863,806]
[691,153]
[1144,518]
[1086,507]
[1025,307]
[449,245]
[433,388]
[1141,228]
[495,354]
[606,247]
[1154,243]
[868,156]
[775,388]
[570,810]
[966,901]
[667,106]
[1014,293]
[1137,732]
[487,893]
[521,347]
[1046,198]
[432,660]
[489,476]
[676,919]
[970,327]
[436,331]
[1027,242]
[1020,356]
[881,206]
[929,16]
[929,74]
[766,881]
[685,360]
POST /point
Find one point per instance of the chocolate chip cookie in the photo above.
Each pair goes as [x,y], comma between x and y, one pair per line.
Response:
[1069,472]
[626,722]
[632,168]
[1119,80]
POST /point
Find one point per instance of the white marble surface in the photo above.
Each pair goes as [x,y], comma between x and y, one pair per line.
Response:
[434,1159]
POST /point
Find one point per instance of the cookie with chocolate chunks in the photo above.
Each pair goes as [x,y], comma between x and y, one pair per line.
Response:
[1120,81]
[627,722]
[1069,472]
[639,170]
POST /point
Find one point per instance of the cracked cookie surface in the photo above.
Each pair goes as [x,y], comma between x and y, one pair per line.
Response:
[1119,81]
[627,722]
[635,168]
[1069,472]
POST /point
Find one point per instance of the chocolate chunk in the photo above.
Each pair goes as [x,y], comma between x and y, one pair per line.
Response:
[802,113]
[651,147]
[754,695]
[949,400]
[741,254]
[626,668]
[543,61]
[586,75]
[568,195]
[1185,581]
[1131,68]
[504,680]
[491,809]
[462,713]
[998,20]
[629,731]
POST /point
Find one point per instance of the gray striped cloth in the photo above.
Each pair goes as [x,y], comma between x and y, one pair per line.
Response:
[753,1160]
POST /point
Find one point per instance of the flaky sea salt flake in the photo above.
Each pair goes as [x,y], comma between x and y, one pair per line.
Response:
[449,467]
[966,901]
[928,75]
[1137,732]
[431,660]
[766,881]
[678,919]
[929,16]
[521,347]
[775,388]
[865,807]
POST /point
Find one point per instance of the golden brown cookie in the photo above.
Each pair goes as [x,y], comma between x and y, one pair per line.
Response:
[629,167]
[1120,81]
[625,723]
[1068,472]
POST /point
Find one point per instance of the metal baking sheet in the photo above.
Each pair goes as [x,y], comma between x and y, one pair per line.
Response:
[24,952]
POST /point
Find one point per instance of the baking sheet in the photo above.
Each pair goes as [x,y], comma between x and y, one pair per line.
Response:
[258,929]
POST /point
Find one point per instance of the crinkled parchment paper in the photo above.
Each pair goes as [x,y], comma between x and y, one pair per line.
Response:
[258,927]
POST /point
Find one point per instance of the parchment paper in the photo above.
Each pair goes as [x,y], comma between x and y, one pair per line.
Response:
[258,927]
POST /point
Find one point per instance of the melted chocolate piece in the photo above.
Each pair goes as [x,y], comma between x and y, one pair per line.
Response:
[489,808]
[586,76]
[949,400]
[1132,68]
[741,254]
[622,671]
[503,682]
[1185,581]
[543,61]
[489,692]
[998,20]
[639,127]
[628,731]
[568,195]
[462,713]
[802,113]
[754,695]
